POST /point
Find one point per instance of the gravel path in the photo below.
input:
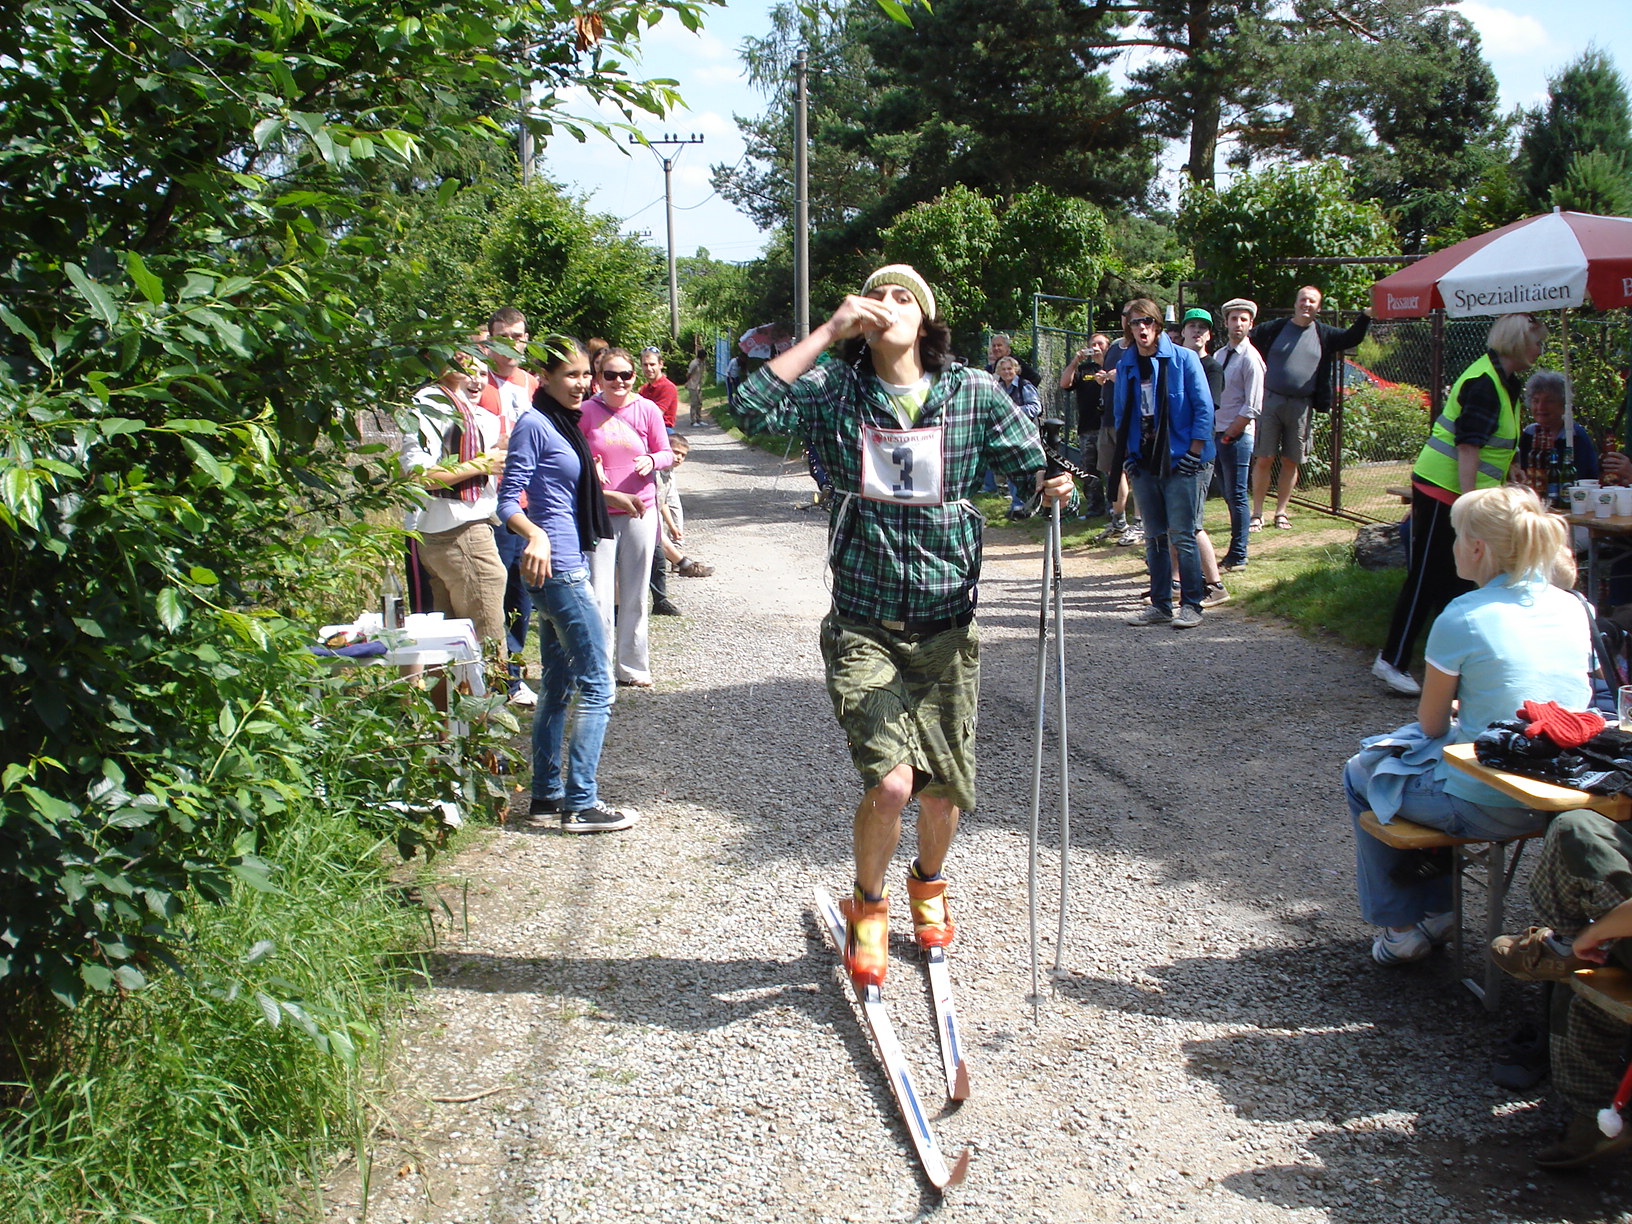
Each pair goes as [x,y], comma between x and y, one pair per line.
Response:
[670,1040]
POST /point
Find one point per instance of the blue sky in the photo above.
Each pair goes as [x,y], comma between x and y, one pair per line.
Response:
[1524,40]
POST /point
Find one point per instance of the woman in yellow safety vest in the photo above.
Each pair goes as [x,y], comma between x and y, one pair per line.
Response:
[1470,445]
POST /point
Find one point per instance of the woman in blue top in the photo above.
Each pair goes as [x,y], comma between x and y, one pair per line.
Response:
[565,517]
[1521,635]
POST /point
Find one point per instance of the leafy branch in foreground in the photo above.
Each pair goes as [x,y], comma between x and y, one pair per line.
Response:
[195,238]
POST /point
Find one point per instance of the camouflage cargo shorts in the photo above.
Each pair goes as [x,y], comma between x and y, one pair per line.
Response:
[904,698]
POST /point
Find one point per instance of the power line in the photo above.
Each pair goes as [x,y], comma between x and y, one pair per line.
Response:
[712,194]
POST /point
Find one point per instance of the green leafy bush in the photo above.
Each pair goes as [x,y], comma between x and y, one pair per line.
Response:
[192,253]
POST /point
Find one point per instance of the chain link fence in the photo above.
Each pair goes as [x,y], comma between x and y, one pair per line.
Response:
[1361,453]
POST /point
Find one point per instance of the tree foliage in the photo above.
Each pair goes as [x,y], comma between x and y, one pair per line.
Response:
[194,246]
[1266,81]
[995,101]
[1241,233]
[1594,182]
[570,269]
[986,259]
[1587,111]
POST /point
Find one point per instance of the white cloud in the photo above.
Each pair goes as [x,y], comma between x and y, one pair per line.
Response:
[1504,32]
[671,34]
[691,178]
[713,124]
[721,74]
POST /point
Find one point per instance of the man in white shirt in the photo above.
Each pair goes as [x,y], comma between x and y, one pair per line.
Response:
[1234,418]
[456,452]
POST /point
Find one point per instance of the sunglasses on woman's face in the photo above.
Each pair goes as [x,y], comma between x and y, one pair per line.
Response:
[622,375]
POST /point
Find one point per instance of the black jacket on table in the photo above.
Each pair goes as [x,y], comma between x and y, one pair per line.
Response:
[1333,342]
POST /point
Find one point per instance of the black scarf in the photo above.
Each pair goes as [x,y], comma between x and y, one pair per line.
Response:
[589,503]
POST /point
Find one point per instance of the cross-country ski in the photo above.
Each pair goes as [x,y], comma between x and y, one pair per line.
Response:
[895,1063]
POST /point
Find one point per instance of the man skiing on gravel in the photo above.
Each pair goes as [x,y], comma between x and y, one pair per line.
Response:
[906,434]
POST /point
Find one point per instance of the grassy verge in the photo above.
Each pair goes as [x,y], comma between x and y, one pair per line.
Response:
[184,1102]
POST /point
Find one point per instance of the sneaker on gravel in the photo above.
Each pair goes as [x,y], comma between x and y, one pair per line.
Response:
[597,818]
[543,805]
[1400,947]
[1216,594]
[1438,927]
[1114,528]
[1186,617]
[523,696]
[867,938]
[1395,678]
[1538,955]
[932,923]
[664,606]
[1150,615]
[1130,537]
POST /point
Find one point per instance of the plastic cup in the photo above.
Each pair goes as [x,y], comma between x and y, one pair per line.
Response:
[1580,499]
[1604,503]
[1623,501]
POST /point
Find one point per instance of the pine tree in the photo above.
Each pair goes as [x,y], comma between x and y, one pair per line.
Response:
[1587,109]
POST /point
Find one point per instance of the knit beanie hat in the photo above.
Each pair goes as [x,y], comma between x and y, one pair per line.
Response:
[907,277]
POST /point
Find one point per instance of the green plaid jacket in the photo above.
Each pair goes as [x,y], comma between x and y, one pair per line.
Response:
[893,562]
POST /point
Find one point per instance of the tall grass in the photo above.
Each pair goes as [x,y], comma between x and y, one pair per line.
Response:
[184,1102]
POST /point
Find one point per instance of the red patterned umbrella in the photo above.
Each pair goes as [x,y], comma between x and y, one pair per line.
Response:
[1550,262]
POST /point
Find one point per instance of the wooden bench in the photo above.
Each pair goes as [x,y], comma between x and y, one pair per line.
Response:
[1466,852]
[1608,987]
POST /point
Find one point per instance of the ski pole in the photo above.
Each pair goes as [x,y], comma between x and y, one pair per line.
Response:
[1052,597]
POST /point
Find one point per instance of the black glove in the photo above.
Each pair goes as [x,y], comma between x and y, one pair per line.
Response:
[1187,464]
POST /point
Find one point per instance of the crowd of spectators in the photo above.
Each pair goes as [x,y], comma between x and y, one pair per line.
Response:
[553,492]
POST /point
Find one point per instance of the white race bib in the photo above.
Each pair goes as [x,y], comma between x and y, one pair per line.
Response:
[904,466]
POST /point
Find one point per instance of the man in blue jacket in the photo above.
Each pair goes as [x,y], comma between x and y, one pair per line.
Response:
[1163,414]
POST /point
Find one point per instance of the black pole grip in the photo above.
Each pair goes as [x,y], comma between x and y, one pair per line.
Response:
[1051,427]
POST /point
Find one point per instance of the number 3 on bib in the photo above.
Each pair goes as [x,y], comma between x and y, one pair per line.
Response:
[904,466]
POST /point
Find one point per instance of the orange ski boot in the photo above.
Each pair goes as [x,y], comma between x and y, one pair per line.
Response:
[931,919]
[867,943]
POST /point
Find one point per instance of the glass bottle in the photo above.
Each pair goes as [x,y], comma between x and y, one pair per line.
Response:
[391,614]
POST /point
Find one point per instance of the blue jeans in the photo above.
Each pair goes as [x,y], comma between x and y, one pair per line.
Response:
[1234,473]
[1171,506]
[572,651]
[1383,901]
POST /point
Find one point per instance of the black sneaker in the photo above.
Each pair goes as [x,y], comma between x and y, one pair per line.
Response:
[597,818]
[544,807]
[664,606]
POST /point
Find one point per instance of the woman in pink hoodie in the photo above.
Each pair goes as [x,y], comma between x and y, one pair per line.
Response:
[626,435]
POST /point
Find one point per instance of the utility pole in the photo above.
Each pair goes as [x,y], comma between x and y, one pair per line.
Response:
[801,197]
[524,150]
[679,143]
